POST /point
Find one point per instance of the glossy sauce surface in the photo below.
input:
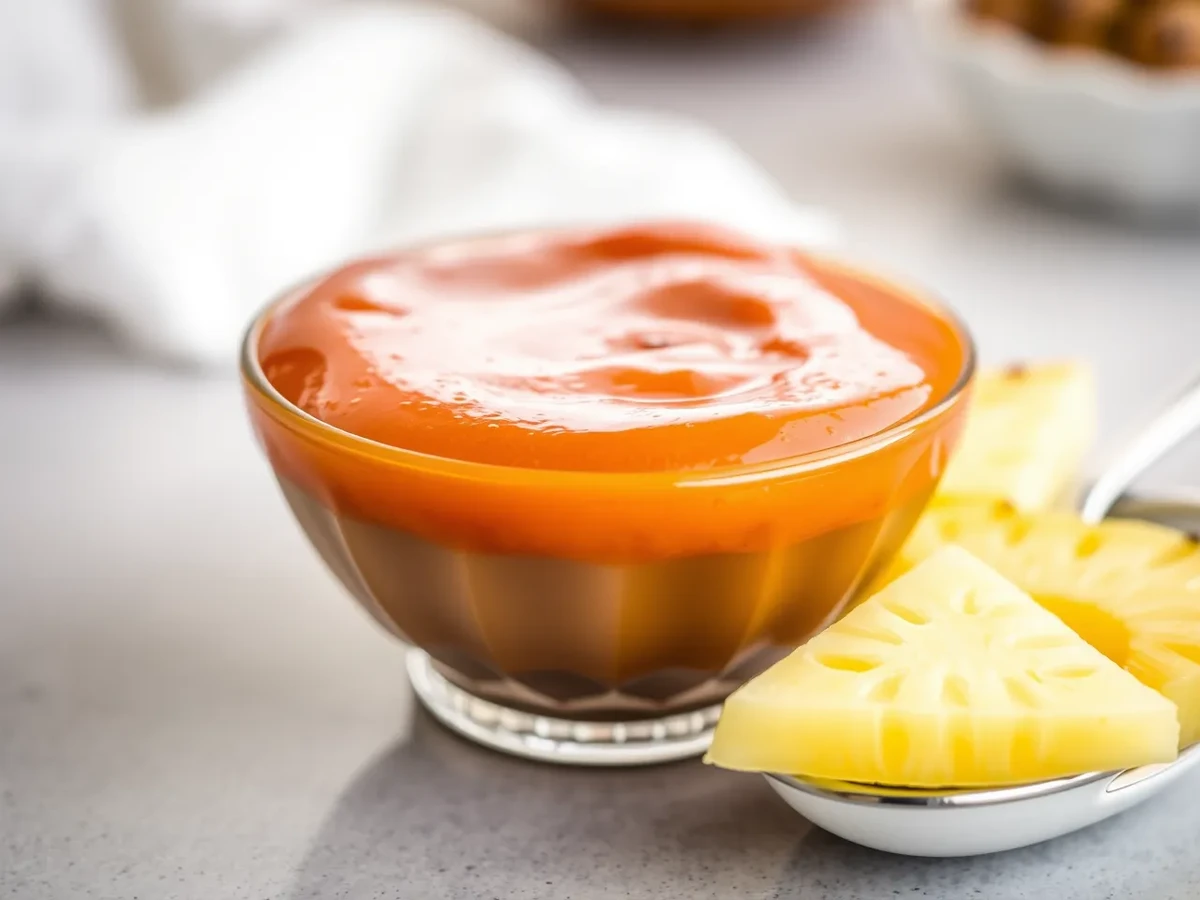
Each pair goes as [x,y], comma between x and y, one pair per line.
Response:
[665,347]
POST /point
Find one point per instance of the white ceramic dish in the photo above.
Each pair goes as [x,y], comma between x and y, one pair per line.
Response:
[1083,124]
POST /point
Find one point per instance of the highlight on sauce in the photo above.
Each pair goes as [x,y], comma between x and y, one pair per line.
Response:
[662,347]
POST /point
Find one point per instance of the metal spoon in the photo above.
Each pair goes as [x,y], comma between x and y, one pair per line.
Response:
[968,822]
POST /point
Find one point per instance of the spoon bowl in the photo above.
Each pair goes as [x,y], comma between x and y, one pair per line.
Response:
[973,822]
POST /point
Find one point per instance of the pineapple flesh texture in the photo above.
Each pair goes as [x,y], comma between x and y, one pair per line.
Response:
[1131,589]
[949,677]
[1029,428]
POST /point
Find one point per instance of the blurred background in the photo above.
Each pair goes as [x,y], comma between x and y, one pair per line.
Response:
[168,644]
[166,166]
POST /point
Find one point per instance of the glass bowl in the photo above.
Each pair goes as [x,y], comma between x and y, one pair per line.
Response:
[602,617]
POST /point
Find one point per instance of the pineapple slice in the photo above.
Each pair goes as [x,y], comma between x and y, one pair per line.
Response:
[1027,433]
[1130,589]
[951,676]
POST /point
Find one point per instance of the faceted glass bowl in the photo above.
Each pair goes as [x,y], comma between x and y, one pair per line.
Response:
[599,617]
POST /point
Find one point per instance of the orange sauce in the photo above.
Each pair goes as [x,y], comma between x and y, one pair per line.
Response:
[658,348]
[634,394]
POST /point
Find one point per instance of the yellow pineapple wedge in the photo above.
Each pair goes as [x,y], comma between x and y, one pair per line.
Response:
[1131,589]
[949,677]
[1026,435]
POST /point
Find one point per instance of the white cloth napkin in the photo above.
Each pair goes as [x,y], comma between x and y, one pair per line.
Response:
[278,137]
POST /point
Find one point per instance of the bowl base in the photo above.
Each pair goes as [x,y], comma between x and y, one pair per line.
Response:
[543,738]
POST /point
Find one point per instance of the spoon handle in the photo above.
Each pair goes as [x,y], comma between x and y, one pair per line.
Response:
[1179,419]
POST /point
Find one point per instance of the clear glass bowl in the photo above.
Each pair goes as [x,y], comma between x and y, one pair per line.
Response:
[601,617]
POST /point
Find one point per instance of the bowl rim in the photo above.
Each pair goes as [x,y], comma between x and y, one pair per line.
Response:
[933,798]
[293,417]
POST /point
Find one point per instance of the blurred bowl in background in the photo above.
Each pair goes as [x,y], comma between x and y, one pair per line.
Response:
[1083,124]
[706,12]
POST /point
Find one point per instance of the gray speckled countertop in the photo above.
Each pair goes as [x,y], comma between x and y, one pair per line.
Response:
[189,708]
